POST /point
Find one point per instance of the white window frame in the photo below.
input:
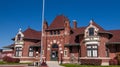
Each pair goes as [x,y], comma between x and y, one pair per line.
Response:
[92,50]
[31,52]
[18,52]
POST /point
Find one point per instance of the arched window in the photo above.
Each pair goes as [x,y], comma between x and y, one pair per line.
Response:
[91,31]
[54,46]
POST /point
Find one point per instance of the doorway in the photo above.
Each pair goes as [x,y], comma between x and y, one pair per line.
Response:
[54,52]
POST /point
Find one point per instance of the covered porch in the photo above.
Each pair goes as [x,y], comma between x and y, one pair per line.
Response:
[73,53]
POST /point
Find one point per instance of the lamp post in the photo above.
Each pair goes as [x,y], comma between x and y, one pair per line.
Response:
[61,52]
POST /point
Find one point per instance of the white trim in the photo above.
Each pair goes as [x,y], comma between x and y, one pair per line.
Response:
[92,42]
[95,58]
[26,61]
[90,26]
[24,57]
[105,63]
[4,50]
[19,46]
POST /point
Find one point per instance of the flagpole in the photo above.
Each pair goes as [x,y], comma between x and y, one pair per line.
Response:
[41,53]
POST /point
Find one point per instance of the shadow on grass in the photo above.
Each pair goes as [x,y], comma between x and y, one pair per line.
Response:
[78,65]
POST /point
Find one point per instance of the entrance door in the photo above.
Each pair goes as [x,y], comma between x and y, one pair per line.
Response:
[54,55]
[54,52]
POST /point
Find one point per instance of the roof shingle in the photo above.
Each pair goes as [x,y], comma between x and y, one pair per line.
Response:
[58,22]
[32,34]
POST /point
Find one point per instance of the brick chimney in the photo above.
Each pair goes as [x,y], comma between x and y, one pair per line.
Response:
[74,24]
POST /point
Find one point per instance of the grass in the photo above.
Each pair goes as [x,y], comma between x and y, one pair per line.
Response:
[3,63]
[77,65]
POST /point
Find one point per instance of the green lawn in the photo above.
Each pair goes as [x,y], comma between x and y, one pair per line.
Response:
[4,63]
[77,65]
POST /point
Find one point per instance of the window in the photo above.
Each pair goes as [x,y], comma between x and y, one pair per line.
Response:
[65,53]
[54,32]
[91,31]
[18,52]
[92,50]
[31,52]
[107,52]
[54,46]
[58,32]
[51,33]
[19,37]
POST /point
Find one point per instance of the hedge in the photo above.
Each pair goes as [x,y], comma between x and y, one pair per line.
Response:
[91,61]
[11,60]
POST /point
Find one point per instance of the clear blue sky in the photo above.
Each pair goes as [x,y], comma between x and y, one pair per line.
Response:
[15,14]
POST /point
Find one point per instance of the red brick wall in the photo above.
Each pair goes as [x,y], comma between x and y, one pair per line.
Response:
[102,45]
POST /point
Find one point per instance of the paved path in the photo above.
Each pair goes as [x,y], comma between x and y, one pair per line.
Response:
[53,64]
[13,66]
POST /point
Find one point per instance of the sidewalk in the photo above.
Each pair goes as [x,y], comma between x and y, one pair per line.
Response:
[53,64]
[50,64]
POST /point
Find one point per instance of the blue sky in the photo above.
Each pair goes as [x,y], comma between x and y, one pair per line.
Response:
[15,14]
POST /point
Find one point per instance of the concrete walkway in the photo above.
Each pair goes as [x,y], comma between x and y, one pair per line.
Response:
[50,64]
[53,64]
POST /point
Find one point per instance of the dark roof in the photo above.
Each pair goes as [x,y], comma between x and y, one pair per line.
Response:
[32,34]
[101,30]
[58,22]
[98,26]
[116,36]
[9,46]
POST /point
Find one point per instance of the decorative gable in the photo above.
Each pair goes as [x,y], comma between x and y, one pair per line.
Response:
[19,38]
[91,30]
[91,34]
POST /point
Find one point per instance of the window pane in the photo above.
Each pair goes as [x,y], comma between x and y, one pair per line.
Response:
[31,54]
[54,32]
[58,32]
[20,53]
[91,31]
[94,46]
[94,53]
[88,46]
[89,53]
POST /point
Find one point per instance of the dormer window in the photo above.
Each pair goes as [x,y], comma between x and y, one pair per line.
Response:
[55,32]
[91,31]
[18,37]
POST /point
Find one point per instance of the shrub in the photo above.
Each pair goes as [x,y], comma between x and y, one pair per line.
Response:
[11,60]
[113,62]
[91,61]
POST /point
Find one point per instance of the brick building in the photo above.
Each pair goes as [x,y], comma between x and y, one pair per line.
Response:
[71,44]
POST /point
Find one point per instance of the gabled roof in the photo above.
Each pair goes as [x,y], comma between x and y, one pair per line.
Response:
[116,36]
[32,34]
[58,22]
[101,30]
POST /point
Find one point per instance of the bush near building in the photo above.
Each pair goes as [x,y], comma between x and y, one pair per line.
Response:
[10,59]
[91,61]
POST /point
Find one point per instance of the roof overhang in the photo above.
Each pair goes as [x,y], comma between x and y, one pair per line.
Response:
[62,28]
[72,45]
[110,34]
[110,43]
[35,46]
